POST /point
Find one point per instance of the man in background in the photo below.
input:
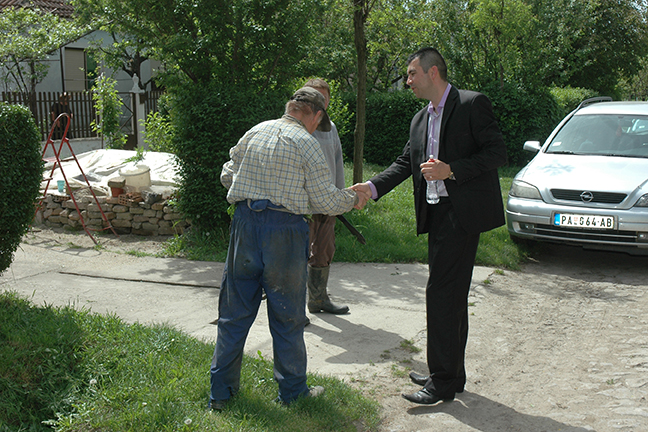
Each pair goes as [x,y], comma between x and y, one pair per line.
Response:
[322,226]
[62,106]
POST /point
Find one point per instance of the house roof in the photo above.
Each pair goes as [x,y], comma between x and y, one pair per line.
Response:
[58,7]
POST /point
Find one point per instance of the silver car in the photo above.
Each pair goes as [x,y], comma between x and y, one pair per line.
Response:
[588,183]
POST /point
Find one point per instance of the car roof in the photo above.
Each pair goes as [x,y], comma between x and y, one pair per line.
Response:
[627,107]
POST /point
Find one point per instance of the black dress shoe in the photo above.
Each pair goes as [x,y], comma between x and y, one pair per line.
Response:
[419,379]
[424,397]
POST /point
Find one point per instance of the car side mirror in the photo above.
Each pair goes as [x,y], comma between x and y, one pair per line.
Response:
[532,146]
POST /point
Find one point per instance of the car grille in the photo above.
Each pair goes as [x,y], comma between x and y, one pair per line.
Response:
[603,236]
[597,197]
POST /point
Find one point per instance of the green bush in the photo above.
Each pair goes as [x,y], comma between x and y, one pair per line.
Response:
[21,171]
[108,106]
[522,115]
[387,128]
[208,122]
[568,98]
[159,133]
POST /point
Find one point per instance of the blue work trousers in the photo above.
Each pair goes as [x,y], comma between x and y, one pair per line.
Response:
[268,252]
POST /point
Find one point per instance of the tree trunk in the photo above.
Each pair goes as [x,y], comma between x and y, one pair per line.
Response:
[32,89]
[359,18]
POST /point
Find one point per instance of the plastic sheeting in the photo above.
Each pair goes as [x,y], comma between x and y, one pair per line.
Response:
[100,166]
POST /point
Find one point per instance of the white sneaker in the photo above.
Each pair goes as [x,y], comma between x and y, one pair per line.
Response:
[315,391]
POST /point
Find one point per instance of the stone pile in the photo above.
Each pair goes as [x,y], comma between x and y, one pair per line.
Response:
[126,215]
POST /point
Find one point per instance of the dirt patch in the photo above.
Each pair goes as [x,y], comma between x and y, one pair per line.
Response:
[103,240]
[561,345]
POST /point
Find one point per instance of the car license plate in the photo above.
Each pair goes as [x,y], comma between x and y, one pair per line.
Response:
[583,221]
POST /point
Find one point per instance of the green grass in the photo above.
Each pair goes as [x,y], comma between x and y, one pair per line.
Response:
[79,371]
[389,227]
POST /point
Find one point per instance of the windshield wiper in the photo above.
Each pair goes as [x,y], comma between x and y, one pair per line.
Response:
[561,152]
[623,155]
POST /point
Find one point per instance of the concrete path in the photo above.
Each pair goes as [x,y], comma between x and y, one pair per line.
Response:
[387,301]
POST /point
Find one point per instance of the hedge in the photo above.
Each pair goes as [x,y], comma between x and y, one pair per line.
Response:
[21,172]
[522,115]
[209,121]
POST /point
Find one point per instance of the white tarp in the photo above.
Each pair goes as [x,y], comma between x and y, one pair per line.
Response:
[102,165]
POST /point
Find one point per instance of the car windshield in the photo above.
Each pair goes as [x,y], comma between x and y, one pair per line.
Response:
[610,135]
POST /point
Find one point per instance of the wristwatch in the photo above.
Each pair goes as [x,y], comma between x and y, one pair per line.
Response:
[452,176]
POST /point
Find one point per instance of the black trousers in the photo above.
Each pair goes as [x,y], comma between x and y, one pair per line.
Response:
[451,257]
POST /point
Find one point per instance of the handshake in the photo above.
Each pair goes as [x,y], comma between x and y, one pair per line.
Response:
[364,194]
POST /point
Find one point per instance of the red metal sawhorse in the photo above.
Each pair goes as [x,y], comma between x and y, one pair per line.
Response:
[57,162]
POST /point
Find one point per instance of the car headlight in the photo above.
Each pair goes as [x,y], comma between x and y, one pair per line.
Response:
[642,202]
[520,189]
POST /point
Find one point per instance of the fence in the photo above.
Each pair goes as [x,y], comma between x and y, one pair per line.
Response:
[82,106]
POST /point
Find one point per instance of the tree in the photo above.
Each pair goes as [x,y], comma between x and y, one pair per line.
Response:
[505,27]
[396,29]
[28,38]
[124,53]
[257,43]
[591,44]
[361,10]
[381,32]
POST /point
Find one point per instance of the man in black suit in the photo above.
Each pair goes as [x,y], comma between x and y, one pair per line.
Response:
[458,129]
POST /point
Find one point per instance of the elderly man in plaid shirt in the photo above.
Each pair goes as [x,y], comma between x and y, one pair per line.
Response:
[276,175]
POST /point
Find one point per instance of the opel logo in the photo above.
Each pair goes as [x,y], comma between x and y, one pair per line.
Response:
[587,196]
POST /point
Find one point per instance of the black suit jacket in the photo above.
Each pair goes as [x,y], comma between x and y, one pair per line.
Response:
[471,142]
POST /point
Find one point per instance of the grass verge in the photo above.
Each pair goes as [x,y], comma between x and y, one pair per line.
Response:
[388,226]
[68,370]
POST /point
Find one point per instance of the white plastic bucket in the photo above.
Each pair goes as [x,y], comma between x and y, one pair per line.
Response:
[137,179]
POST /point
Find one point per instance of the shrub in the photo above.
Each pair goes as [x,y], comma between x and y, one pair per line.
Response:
[108,106]
[159,133]
[387,129]
[568,98]
[522,115]
[208,122]
[21,172]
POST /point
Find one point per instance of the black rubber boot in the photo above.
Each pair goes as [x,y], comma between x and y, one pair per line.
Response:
[318,299]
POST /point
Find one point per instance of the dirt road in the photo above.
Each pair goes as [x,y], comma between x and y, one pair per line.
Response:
[561,345]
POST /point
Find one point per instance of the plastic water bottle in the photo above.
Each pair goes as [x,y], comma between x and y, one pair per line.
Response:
[432,194]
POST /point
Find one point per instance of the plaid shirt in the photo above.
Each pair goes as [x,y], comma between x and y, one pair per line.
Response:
[280,161]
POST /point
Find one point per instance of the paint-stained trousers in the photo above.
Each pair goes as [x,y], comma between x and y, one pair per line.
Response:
[268,253]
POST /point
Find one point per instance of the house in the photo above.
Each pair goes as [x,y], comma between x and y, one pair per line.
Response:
[70,69]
